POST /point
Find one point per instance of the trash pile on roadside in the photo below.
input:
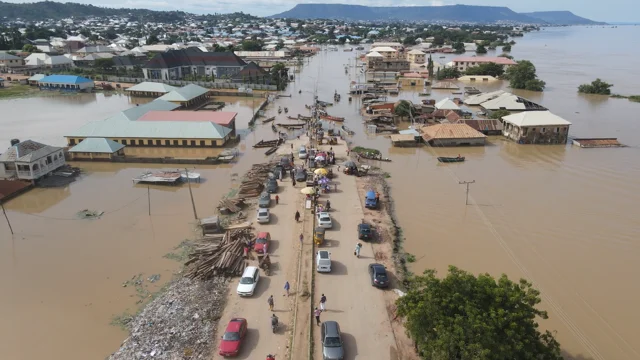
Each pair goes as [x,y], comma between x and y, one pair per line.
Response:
[211,258]
[178,324]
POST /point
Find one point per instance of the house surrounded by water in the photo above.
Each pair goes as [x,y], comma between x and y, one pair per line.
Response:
[30,160]
[180,64]
[536,127]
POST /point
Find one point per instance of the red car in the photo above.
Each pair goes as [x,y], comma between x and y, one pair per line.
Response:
[261,246]
[233,337]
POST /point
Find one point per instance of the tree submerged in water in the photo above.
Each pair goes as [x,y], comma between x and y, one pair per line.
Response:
[462,316]
[597,86]
[523,76]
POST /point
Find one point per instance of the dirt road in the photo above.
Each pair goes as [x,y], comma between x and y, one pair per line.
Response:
[358,307]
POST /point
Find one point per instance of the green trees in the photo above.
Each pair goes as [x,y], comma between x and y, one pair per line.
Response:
[279,75]
[459,48]
[466,317]
[103,64]
[506,48]
[480,49]
[252,45]
[30,48]
[152,39]
[430,66]
[498,114]
[491,69]
[523,76]
[596,87]
[402,108]
[448,73]
[409,40]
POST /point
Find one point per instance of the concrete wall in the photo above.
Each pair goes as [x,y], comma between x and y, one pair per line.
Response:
[537,135]
[218,84]
[458,142]
[153,142]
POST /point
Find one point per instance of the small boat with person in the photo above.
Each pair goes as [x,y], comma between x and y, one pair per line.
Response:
[444,159]
[332,118]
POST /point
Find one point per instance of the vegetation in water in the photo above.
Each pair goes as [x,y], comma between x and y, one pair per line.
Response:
[506,48]
[448,73]
[364,150]
[491,69]
[16,91]
[480,49]
[597,86]
[410,258]
[634,98]
[462,316]
[523,76]
[498,114]
[181,252]
[402,108]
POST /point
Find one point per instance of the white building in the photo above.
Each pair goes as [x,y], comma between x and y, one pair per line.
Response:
[416,56]
[465,62]
[30,160]
[386,52]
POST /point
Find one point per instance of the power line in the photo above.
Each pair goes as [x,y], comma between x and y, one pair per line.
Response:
[466,202]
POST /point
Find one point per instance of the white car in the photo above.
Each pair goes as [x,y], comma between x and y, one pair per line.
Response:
[248,281]
[263,216]
[302,153]
[323,261]
[324,220]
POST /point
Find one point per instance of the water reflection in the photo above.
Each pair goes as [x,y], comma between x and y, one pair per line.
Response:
[531,156]
[38,200]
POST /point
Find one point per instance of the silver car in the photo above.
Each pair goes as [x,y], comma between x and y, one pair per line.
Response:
[332,346]
[264,201]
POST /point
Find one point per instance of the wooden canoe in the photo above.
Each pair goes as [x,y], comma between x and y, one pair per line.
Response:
[443,159]
[305,118]
[292,118]
[332,118]
[291,125]
[268,120]
[271,150]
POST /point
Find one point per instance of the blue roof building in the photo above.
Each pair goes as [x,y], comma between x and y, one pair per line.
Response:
[65,82]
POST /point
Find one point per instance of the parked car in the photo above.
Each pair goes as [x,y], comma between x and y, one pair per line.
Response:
[302,153]
[323,261]
[248,281]
[272,186]
[264,201]
[331,338]
[370,200]
[378,275]
[233,337]
[364,231]
[300,175]
[324,220]
[261,246]
[263,216]
[286,163]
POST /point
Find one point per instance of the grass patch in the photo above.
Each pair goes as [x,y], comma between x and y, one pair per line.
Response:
[618,96]
[410,258]
[364,150]
[386,175]
[16,91]
[122,321]
[181,252]
[634,98]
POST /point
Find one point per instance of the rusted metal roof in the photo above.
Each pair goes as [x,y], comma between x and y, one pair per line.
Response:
[450,131]
[596,143]
[483,125]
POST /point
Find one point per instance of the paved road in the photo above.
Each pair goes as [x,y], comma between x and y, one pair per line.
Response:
[260,340]
[358,307]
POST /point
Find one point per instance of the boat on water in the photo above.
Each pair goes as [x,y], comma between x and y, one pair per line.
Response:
[359,47]
[273,128]
[332,118]
[271,150]
[444,159]
[227,155]
[304,118]
[348,49]
[159,177]
[191,176]
[268,120]
[292,117]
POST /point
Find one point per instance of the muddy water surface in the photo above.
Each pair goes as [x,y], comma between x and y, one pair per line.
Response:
[560,216]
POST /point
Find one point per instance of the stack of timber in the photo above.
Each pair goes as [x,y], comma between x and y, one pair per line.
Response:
[231,205]
[253,183]
[268,143]
[224,257]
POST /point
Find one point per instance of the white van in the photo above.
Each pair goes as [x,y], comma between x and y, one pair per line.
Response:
[323,261]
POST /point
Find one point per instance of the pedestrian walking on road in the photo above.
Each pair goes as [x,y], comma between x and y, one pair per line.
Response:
[356,252]
[323,301]
[270,302]
[286,287]
[301,238]
[294,182]
[317,313]
[277,199]
[298,217]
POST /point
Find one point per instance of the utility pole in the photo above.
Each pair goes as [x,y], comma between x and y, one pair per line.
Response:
[467,183]
[195,214]
[149,198]
[6,217]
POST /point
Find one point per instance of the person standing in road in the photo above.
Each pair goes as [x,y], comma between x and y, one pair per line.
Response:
[294,182]
[301,238]
[323,301]
[287,287]
[356,252]
[297,216]
[317,313]
[270,302]
[277,199]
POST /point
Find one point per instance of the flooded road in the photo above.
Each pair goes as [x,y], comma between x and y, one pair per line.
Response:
[560,216]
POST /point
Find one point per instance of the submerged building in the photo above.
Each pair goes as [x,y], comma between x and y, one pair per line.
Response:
[536,127]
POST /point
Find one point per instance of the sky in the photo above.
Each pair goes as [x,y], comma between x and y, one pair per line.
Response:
[610,10]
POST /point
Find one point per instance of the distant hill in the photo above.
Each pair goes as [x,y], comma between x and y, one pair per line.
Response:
[561,18]
[55,10]
[454,13]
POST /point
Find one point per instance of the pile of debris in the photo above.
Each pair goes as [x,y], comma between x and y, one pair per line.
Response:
[231,205]
[253,182]
[178,324]
[223,256]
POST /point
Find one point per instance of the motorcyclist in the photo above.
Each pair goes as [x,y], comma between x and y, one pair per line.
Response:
[328,205]
[271,357]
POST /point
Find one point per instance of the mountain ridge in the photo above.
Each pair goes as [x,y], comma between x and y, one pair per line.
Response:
[453,13]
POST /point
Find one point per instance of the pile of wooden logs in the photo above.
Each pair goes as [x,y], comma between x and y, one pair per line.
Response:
[254,180]
[231,205]
[223,257]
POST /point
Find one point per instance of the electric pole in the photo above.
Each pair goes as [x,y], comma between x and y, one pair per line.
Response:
[195,214]
[6,217]
[467,183]
[149,199]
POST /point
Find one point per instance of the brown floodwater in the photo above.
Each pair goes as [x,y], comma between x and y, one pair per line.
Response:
[562,217]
